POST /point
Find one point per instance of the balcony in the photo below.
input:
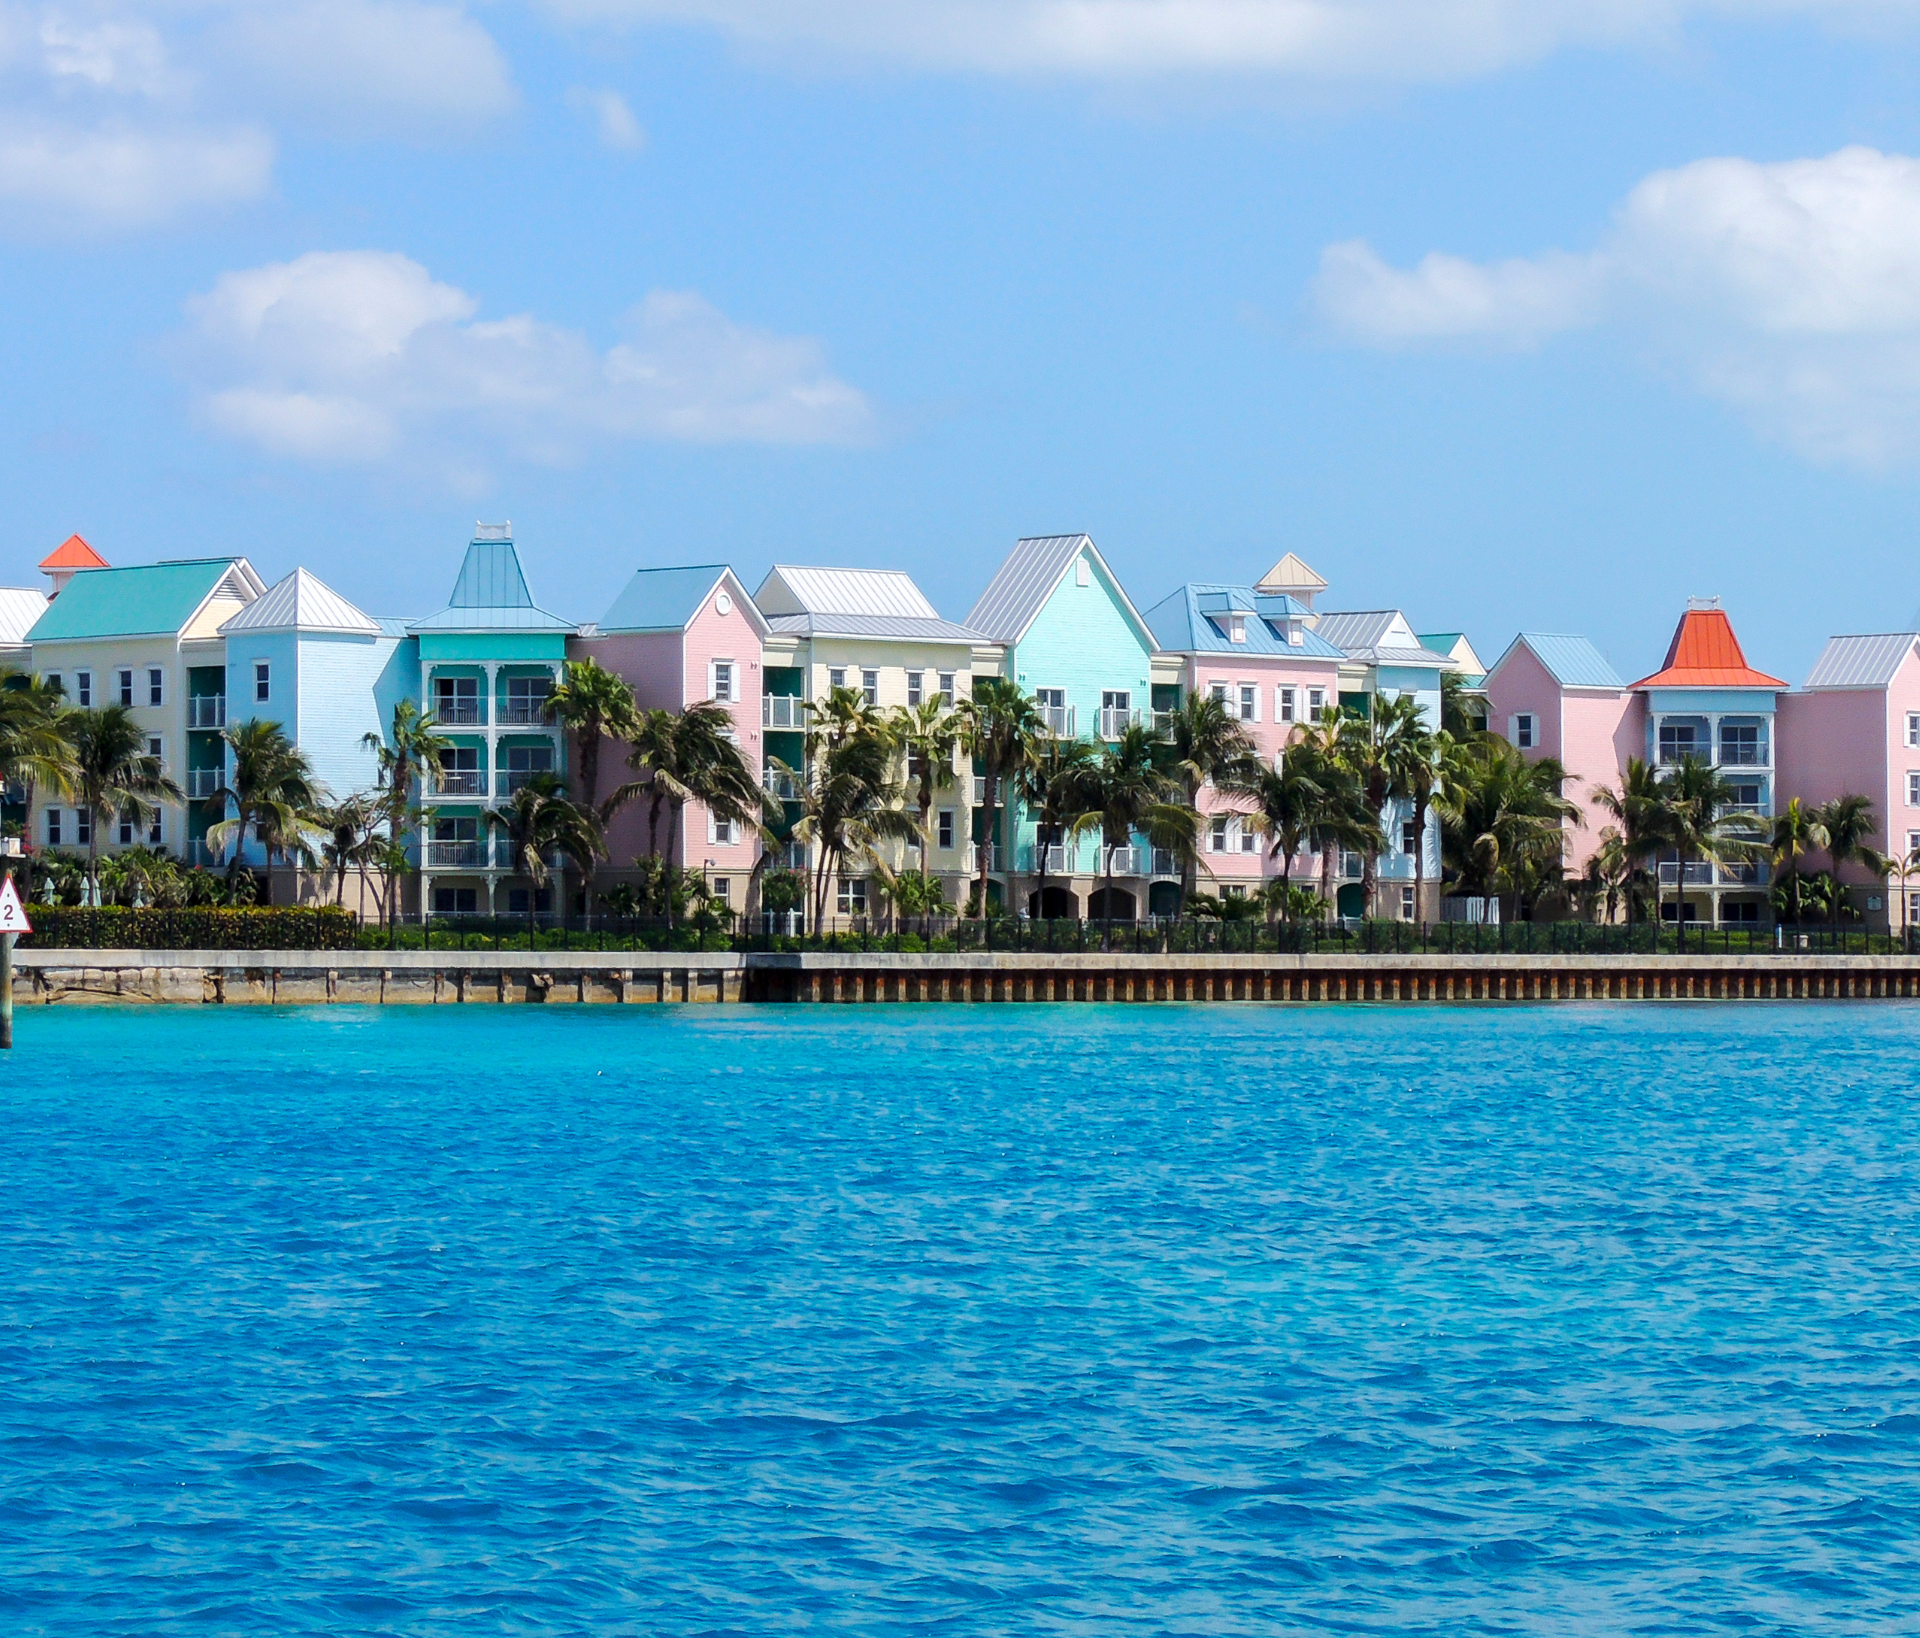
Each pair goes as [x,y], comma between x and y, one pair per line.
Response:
[523,713]
[1164,863]
[780,784]
[1058,720]
[202,783]
[457,855]
[1744,756]
[509,780]
[1055,861]
[973,857]
[1125,861]
[207,711]
[1699,873]
[782,711]
[1163,721]
[460,782]
[1116,720]
[452,713]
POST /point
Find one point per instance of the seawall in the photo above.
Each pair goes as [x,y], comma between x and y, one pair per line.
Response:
[359,977]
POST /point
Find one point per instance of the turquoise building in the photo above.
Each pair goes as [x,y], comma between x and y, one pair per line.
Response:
[1073,640]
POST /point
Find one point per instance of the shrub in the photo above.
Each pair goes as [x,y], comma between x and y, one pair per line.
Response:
[115,927]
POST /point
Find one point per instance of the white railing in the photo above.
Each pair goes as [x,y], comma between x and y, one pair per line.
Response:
[202,783]
[450,713]
[456,855]
[522,713]
[1744,756]
[207,711]
[1164,863]
[1115,721]
[1163,721]
[781,711]
[1054,860]
[510,780]
[781,784]
[1699,873]
[459,782]
[973,857]
[1125,861]
[1058,720]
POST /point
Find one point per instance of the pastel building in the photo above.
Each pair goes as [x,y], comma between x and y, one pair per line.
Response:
[20,607]
[1707,703]
[1555,695]
[488,661]
[1384,658]
[679,637]
[1074,640]
[872,631]
[1853,728]
[1256,652]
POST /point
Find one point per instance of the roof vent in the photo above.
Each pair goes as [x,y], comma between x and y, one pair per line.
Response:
[1702,603]
[493,531]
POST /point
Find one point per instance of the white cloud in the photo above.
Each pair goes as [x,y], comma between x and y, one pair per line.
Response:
[618,128]
[363,356]
[1366,40]
[1789,290]
[114,176]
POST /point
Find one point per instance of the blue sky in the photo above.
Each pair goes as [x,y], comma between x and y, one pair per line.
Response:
[835,282]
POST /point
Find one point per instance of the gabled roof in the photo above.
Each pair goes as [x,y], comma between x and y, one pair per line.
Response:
[301,602]
[1457,648]
[1379,637]
[791,589]
[20,606]
[1290,574]
[73,553]
[1030,575]
[1705,653]
[1572,662]
[491,594]
[1861,662]
[1183,623]
[668,599]
[151,600]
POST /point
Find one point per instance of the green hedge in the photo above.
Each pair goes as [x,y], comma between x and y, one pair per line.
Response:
[205,928]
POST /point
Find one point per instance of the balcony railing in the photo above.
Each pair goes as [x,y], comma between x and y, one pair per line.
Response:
[973,857]
[1125,861]
[1699,873]
[781,784]
[202,783]
[782,711]
[460,782]
[1744,756]
[207,711]
[1056,860]
[450,713]
[1163,721]
[521,713]
[456,855]
[1058,720]
[510,780]
[1115,721]
[1164,863]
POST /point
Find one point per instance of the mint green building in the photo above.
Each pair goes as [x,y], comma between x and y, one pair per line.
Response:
[1075,642]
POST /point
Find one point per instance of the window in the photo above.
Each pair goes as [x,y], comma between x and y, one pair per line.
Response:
[456,699]
[82,828]
[155,749]
[1296,634]
[1217,839]
[870,686]
[1677,740]
[1082,572]
[1746,796]
[1218,690]
[155,835]
[1249,839]
[1523,731]
[156,686]
[124,681]
[1236,628]
[915,690]
[1316,702]
[720,831]
[1913,728]
[1913,790]
[723,682]
[83,688]
[56,682]
[1284,704]
[837,676]
[262,681]
[456,901]
[853,896]
[946,688]
[1913,843]
[527,698]
[540,901]
[1741,745]
[1249,702]
[946,827]
[1406,904]
[1234,890]
[1740,913]
[129,831]
[722,887]
[53,827]
[1409,838]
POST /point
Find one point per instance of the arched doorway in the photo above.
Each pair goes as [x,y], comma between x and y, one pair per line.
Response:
[1056,904]
[1349,902]
[1123,904]
[1163,899]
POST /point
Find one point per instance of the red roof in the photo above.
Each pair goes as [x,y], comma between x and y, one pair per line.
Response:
[75,553]
[1705,653]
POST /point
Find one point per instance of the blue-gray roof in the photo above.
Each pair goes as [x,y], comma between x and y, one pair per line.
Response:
[1861,662]
[662,599]
[1572,662]
[1035,566]
[1181,626]
[491,595]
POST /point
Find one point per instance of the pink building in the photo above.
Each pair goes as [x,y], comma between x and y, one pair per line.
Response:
[1854,729]
[1554,695]
[1255,651]
[678,637]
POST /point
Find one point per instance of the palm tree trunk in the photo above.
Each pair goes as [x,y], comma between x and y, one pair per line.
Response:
[590,761]
[673,835]
[989,813]
[1420,859]
[93,857]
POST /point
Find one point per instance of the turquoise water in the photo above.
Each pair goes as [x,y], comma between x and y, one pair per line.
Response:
[1007,1320]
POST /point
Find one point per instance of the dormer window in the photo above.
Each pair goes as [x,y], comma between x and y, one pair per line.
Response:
[1236,628]
[1296,633]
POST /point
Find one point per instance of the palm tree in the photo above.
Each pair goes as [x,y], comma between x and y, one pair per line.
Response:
[1003,730]
[1128,792]
[1502,817]
[1850,824]
[538,821]
[1382,751]
[1428,773]
[1796,832]
[271,792]
[1290,802]
[35,746]
[1463,715]
[850,799]
[1638,809]
[929,734]
[1207,745]
[349,828]
[655,755]
[112,774]
[1697,804]
[593,703]
[1055,789]
[413,744]
[1343,822]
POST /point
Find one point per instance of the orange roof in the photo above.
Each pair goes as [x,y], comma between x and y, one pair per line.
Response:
[1705,653]
[75,553]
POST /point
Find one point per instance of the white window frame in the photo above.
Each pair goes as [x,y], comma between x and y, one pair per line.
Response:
[1221,691]
[1407,830]
[1913,787]
[722,889]
[157,749]
[1524,726]
[870,684]
[732,695]
[83,690]
[1249,702]
[1236,628]
[916,689]
[123,685]
[52,828]
[55,681]
[262,679]
[82,828]
[1316,702]
[1913,730]
[1285,702]
[836,676]
[1217,831]
[851,897]
[156,686]
[944,830]
[947,686]
[1082,572]
[719,832]
[1408,909]
[1249,837]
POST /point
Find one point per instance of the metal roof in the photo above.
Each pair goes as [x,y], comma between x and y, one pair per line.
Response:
[664,599]
[1379,637]
[491,594]
[1705,653]
[901,626]
[1572,662]
[1292,574]
[73,553]
[1181,625]
[150,600]
[1032,570]
[20,606]
[1861,662]
[301,602]
[792,590]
